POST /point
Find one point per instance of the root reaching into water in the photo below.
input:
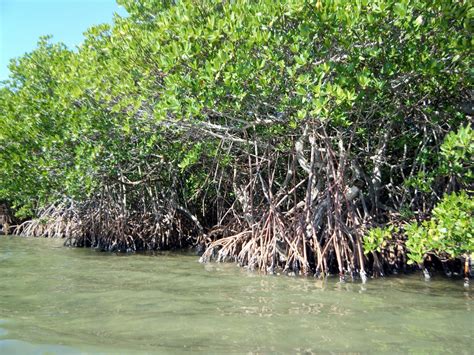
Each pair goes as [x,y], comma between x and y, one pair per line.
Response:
[56,221]
[300,212]
[310,226]
[104,223]
[291,242]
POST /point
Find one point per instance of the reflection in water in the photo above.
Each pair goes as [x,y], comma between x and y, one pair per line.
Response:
[76,300]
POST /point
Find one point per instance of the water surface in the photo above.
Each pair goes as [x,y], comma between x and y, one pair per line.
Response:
[61,300]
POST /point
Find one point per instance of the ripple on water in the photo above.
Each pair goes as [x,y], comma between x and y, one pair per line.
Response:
[81,300]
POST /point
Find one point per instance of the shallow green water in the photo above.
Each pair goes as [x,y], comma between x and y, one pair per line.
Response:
[62,300]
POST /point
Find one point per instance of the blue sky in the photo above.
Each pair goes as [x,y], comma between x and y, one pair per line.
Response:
[22,22]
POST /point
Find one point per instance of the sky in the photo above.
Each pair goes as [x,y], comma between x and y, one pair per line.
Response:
[22,22]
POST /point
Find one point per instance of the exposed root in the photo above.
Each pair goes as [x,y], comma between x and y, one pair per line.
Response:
[55,221]
[316,230]
[105,224]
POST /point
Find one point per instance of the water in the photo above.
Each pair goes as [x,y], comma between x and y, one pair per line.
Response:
[60,300]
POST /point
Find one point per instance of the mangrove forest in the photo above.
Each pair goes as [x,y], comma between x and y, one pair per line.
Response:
[300,137]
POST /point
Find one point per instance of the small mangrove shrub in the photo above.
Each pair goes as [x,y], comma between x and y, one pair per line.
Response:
[377,238]
[384,245]
[457,155]
[449,232]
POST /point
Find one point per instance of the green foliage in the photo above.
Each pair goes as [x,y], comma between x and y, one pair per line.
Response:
[377,238]
[422,181]
[449,232]
[453,162]
[457,155]
[158,93]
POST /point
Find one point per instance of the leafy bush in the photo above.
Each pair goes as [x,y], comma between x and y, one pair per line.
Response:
[457,155]
[449,232]
[453,162]
[377,238]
